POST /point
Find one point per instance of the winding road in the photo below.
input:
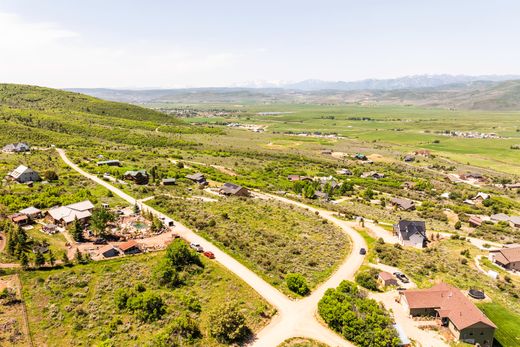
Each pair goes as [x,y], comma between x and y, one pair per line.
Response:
[294,318]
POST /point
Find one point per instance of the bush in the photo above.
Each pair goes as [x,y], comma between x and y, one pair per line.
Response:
[227,323]
[368,279]
[183,331]
[297,284]
[458,225]
[146,306]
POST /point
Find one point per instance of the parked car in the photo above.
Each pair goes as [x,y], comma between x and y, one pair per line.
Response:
[209,254]
[100,241]
[402,277]
[197,247]
[362,251]
[176,236]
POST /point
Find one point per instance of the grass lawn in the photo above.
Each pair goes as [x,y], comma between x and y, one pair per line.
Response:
[75,306]
[302,342]
[508,332]
[269,237]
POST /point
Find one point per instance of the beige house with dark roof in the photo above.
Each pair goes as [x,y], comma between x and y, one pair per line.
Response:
[454,310]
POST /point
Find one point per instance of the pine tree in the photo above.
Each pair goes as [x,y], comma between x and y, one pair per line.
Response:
[39,260]
[24,261]
[52,259]
[76,231]
[78,257]
[65,258]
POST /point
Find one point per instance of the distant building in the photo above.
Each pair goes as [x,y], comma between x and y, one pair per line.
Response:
[372,174]
[138,176]
[475,221]
[233,189]
[32,212]
[464,320]
[403,204]
[64,215]
[481,197]
[168,181]
[23,174]
[411,233]
[499,217]
[514,221]
[386,279]
[109,163]
[321,195]
[345,172]
[108,251]
[130,247]
[16,147]
[326,152]
[19,219]
[197,178]
[409,158]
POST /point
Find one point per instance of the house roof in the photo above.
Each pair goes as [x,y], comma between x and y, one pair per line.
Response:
[321,195]
[18,217]
[371,174]
[500,217]
[104,162]
[508,255]
[386,276]
[136,173]
[405,204]
[231,188]
[483,196]
[450,303]
[515,220]
[30,210]
[16,147]
[69,213]
[409,228]
[475,220]
[196,176]
[106,248]
[169,180]
[20,170]
[125,246]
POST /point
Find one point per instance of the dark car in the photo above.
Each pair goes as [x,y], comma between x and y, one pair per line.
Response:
[100,241]
[402,277]
[362,251]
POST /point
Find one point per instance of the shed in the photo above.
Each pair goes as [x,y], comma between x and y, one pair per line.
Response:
[130,247]
[108,251]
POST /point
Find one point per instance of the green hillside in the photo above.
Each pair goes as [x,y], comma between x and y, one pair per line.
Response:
[43,116]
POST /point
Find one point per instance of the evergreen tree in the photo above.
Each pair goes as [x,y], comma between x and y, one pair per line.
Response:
[76,231]
[78,257]
[65,258]
[39,260]
[51,257]
[24,261]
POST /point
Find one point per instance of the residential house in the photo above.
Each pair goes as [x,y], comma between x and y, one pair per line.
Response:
[321,195]
[360,156]
[233,189]
[409,158]
[411,233]
[65,215]
[326,152]
[513,185]
[16,147]
[32,212]
[138,176]
[514,221]
[386,279]
[481,197]
[499,217]
[130,247]
[109,163]
[445,195]
[456,311]
[294,178]
[473,176]
[345,172]
[168,181]
[475,221]
[23,174]
[509,258]
[50,228]
[372,174]
[108,251]
[197,178]
[19,219]
[403,204]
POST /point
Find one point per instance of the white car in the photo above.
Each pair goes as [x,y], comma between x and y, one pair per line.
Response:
[196,247]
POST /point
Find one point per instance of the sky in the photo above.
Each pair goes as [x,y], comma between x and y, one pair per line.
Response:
[168,44]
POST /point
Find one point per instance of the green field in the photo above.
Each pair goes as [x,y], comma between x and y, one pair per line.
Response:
[508,332]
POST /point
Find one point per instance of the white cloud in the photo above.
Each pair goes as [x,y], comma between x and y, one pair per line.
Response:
[47,54]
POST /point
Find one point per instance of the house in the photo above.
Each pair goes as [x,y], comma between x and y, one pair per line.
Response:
[345,172]
[508,258]
[50,228]
[372,174]
[409,158]
[473,176]
[445,195]
[65,215]
[138,176]
[386,279]
[475,221]
[108,251]
[481,197]
[295,178]
[19,219]
[422,152]
[411,233]
[469,202]
[233,189]
[514,221]
[456,311]
[23,174]
[109,163]
[32,212]
[16,147]
[403,204]
[321,195]
[499,217]
[513,185]
[197,178]
[130,247]
[168,181]
[326,152]
[360,156]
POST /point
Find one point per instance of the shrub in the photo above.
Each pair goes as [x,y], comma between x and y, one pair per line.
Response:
[146,306]
[458,225]
[297,284]
[182,331]
[227,323]
[368,279]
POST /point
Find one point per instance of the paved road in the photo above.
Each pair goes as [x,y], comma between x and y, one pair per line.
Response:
[294,318]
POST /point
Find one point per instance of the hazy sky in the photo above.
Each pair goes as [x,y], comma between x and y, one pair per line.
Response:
[159,43]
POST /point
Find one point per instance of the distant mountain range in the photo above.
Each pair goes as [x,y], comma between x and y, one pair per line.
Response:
[447,91]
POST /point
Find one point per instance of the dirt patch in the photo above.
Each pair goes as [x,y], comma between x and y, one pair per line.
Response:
[12,321]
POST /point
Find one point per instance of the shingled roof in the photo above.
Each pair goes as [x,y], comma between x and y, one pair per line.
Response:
[450,303]
[408,228]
